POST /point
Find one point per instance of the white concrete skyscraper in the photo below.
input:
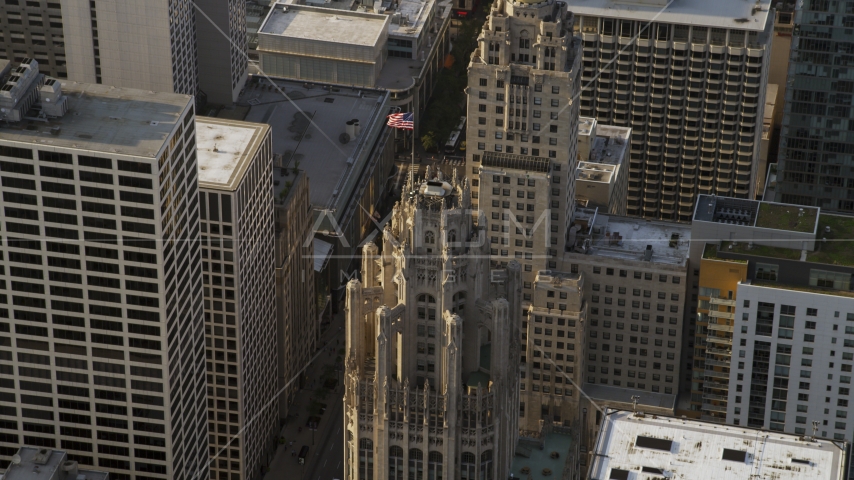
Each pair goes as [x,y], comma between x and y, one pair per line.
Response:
[689,78]
[102,342]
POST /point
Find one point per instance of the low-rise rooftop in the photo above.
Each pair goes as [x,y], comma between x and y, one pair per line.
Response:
[756,213]
[106,119]
[601,151]
[330,152]
[225,150]
[836,250]
[325,25]
[414,15]
[32,463]
[612,395]
[535,459]
[610,144]
[595,172]
[734,14]
[802,288]
[781,216]
[839,247]
[631,446]
[630,238]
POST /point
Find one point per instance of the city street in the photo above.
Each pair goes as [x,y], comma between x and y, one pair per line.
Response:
[325,447]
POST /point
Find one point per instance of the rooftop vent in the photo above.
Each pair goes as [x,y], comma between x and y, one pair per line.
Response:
[650,442]
[734,455]
[801,461]
[647,256]
[658,471]
[617,474]
[41,457]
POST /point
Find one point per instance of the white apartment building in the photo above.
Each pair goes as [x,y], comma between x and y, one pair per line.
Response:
[689,78]
[639,445]
[236,215]
[523,109]
[793,354]
[101,324]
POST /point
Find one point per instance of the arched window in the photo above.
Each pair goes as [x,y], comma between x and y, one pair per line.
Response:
[524,41]
[416,464]
[434,466]
[452,236]
[395,463]
[468,466]
[429,238]
[366,459]
[426,307]
[459,302]
[486,465]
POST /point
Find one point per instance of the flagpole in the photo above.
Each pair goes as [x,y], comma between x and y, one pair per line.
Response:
[412,169]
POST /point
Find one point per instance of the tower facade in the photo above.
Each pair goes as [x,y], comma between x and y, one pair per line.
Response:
[297,318]
[236,217]
[432,347]
[554,351]
[102,341]
[34,30]
[221,28]
[116,43]
[693,93]
[523,129]
[816,156]
[109,42]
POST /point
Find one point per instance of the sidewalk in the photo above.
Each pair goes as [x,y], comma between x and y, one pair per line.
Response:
[295,431]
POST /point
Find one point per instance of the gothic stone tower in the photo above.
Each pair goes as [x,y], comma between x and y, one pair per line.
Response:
[432,355]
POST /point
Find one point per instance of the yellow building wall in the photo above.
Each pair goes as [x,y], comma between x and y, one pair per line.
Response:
[723,275]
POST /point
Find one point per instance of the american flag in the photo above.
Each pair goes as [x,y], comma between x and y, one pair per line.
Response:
[404,121]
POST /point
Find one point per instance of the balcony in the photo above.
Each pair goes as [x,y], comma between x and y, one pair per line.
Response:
[713,385]
[719,351]
[719,340]
[720,328]
[708,373]
[716,363]
[712,396]
[714,408]
[722,301]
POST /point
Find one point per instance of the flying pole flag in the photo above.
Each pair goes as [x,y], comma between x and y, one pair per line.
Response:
[403,121]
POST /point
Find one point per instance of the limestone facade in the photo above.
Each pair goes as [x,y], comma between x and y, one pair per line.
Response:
[432,346]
